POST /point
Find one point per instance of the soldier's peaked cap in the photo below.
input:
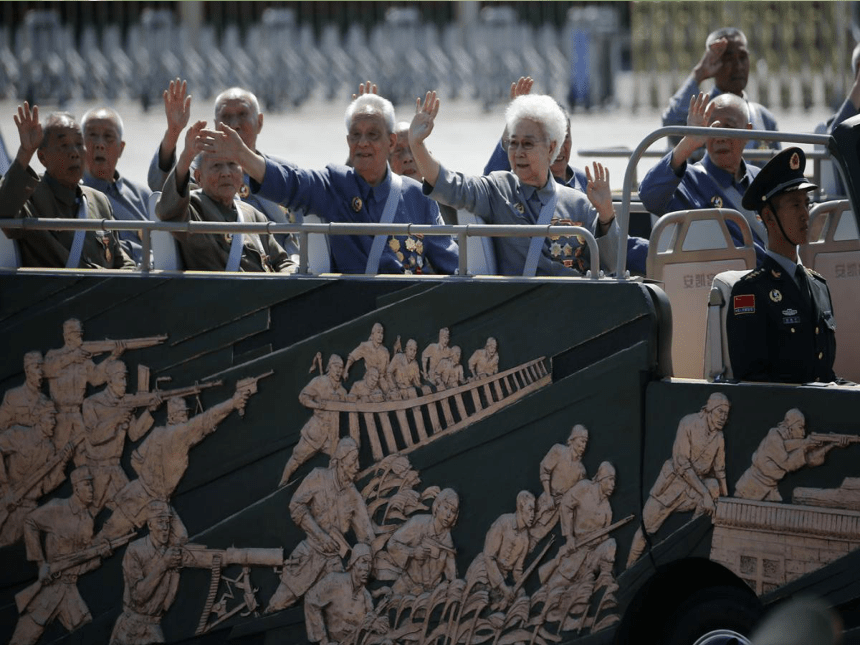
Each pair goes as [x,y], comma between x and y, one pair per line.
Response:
[782,174]
[79,474]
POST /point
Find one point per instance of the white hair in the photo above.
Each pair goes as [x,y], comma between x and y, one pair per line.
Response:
[729,100]
[729,33]
[103,113]
[240,94]
[371,104]
[544,111]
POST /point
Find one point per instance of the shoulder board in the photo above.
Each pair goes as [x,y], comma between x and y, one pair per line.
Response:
[815,273]
[753,274]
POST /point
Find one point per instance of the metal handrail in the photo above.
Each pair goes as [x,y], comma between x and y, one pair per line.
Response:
[461,231]
[623,214]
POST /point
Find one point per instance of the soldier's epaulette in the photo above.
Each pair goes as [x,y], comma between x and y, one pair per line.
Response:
[753,274]
[815,273]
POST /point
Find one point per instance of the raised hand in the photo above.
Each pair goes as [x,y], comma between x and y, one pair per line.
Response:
[224,142]
[711,61]
[365,88]
[177,105]
[29,129]
[193,145]
[522,87]
[698,116]
[424,119]
[599,193]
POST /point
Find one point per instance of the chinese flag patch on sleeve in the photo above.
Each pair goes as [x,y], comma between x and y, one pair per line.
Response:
[744,304]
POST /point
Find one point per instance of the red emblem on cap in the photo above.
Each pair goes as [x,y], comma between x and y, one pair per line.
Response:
[744,304]
[794,162]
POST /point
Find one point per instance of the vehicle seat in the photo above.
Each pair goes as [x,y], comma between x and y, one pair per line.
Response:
[688,249]
[165,248]
[717,366]
[481,255]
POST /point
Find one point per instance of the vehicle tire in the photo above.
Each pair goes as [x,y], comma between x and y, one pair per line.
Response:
[710,610]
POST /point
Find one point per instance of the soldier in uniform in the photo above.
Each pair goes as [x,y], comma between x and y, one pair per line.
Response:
[220,179]
[560,470]
[433,353]
[694,477]
[505,548]
[404,373]
[485,361]
[69,370]
[321,430]
[150,571]
[162,459]
[719,180]
[367,389]
[106,420]
[784,449]
[59,147]
[20,404]
[326,506]
[23,450]
[103,146]
[340,604]
[67,525]
[727,61]
[423,549]
[374,354]
[780,322]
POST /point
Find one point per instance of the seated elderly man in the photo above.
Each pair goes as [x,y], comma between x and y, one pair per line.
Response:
[727,61]
[239,109]
[216,201]
[719,180]
[366,192]
[528,195]
[403,163]
[103,146]
[60,147]
[560,168]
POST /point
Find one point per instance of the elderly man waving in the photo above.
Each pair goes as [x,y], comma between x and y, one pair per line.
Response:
[526,195]
[367,192]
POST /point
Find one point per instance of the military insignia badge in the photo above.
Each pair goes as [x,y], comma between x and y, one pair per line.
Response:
[520,208]
[744,304]
[794,162]
[244,191]
[776,274]
[775,295]
[717,201]
[356,204]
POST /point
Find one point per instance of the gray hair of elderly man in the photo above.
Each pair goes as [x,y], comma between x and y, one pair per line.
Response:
[727,99]
[544,111]
[729,33]
[370,104]
[103,113]
[237,93]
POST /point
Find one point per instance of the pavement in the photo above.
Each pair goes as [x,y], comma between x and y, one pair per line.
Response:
[464,136]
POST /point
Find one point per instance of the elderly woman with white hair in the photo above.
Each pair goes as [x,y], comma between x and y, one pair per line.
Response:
[367,192]
[527,194]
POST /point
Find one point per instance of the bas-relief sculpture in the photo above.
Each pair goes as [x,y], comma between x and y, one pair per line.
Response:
[379,560]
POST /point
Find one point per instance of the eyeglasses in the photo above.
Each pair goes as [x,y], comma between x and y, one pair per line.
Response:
[527,145]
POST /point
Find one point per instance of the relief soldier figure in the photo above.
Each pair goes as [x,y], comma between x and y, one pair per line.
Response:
[499,566]
[367,389]
[449,372]
[374,354]
[20,404]
[585,562]
[433,353]
[30,466]
[67,526]
[694,477]
[484,362]
[422,549]
[339,605]
[404,373]
[150,571]
[162,459]
[106,422]
[784,449]
[326,506]
[321,430]
[560,470]
[68,371]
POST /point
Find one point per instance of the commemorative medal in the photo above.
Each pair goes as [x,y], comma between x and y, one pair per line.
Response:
[356,204]
[775,295]
[244,191]
[717,201]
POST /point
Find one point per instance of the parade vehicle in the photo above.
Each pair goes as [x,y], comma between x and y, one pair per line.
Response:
[210,458]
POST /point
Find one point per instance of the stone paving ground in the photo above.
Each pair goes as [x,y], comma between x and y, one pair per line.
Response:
[315,134]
